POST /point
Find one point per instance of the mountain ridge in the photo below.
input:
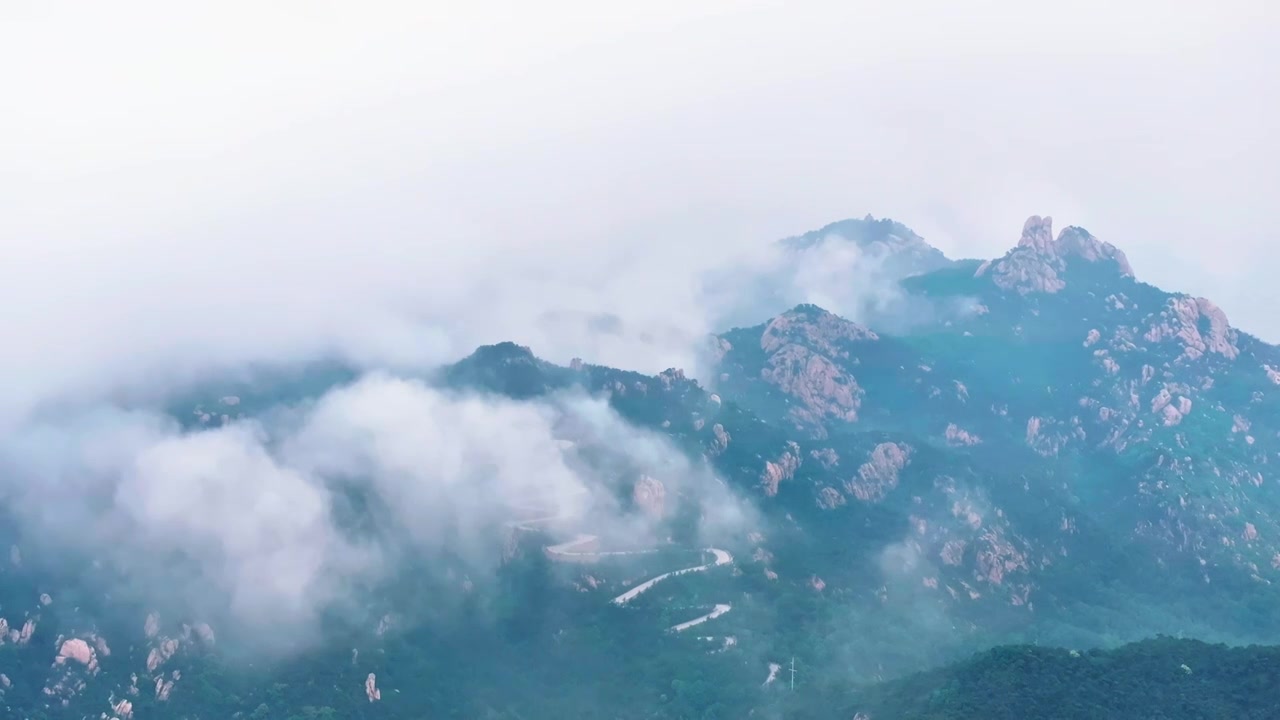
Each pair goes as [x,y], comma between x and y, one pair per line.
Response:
[1076,459]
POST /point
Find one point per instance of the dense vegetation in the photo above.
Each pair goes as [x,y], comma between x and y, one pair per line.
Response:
[1160,679]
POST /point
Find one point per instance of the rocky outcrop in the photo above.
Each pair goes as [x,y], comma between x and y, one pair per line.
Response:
[371,690]
[826,457]
[1038,263]
[1198,325]
[1273,374]
[717,348]
[781,468]
[720,440]
[650,495]
[1170,405]
[830,498]
[22,636]
[804,348]
[957,437]
[879,474]
[164,686]
[1047,436]
[164,649]
[75,663]
[823,389]
[815,328]
[77,650]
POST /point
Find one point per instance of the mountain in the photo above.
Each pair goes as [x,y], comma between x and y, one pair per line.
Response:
[1050,451]
[1159,678]
[903,252]
[851,267]
[1099,437]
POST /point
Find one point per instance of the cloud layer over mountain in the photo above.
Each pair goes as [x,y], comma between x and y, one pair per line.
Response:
[395,183]
[403,181]
[253,522]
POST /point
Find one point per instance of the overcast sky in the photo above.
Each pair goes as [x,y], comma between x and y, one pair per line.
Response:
[403,180]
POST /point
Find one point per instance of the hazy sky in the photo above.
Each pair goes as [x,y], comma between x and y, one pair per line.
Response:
[402,180]
[185,187]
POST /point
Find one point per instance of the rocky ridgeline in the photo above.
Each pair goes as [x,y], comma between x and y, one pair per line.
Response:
[1039,262]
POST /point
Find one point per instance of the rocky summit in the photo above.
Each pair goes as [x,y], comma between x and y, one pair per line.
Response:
[1052,452]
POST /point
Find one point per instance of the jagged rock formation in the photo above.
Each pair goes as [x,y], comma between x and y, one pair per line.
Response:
[1039,262]
[650,495]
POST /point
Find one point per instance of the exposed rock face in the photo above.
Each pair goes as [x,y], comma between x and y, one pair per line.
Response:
[371,690]
[814,327]
[671,377]
[804,346]
[23,635]
[879,475]
[160,654]
[1170,406]
[123,710]
[952,552]
[826,457]
[717,348]
[650,495]
[721,441]
[824,391]
[1038,262]
[1048,436]
[1199,325]
[957,437]
[830,498]
[1273,374]
[165,687]
[79,651]
[783,468]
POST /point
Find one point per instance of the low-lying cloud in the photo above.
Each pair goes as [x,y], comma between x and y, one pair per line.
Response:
[251,522]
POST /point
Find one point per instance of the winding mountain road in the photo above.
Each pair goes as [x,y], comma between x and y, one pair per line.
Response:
[581,548]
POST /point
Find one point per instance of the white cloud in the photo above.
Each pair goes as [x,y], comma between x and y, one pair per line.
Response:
[188,185]
[252,521]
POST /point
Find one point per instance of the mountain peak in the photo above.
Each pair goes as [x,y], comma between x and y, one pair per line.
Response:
[507,368]
[505,351]
[814,326]
[1039,260]
[1037,234]
[1077,242]
[906,252]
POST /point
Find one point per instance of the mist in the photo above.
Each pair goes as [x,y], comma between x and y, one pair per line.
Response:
[183,188]
[190,190]
[250,524]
